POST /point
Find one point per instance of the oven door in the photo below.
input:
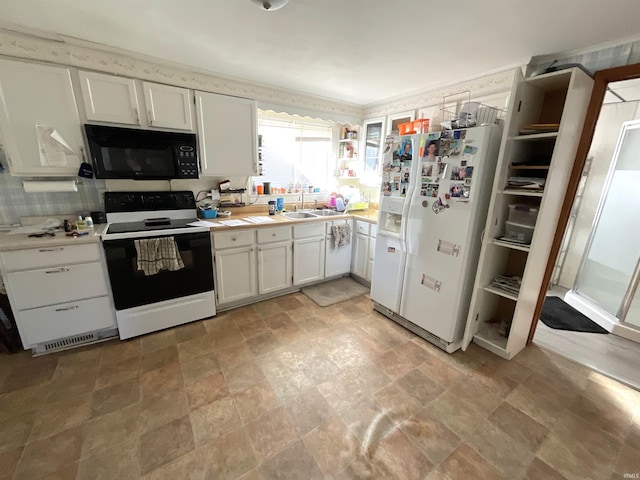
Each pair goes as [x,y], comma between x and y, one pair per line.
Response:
[132,288]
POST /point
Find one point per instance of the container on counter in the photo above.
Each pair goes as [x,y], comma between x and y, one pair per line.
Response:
[267,188]
[272,207]
[279,204]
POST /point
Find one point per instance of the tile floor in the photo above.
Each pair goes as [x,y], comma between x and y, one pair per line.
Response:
[286,389]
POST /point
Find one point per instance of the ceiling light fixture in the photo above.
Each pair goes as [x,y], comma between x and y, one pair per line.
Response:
[270,5]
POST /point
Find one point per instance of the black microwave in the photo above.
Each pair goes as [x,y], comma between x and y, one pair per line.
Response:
[127,153]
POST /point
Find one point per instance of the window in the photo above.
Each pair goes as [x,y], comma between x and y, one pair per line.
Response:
[295,151]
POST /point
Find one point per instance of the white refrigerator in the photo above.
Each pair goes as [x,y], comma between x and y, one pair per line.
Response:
[433,206]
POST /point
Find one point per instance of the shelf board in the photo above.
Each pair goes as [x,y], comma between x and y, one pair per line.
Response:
[346,140]
[514,246]
[491,340]
[536,136]
[500,292]
[524,193]
[530,167]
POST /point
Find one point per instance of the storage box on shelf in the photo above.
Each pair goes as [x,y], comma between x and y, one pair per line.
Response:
[544,123]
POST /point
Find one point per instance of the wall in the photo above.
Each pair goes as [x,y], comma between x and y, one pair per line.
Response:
[600,156]
[15,202]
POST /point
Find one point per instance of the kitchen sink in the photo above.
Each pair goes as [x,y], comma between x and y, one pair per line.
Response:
[327,213]
[300,215]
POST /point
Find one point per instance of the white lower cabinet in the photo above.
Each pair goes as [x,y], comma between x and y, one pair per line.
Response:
[372,250]
[337,260]
[252,262]
[274,259]
[235,274]
[364,247]
[308,253]
[360,258]
[67,295]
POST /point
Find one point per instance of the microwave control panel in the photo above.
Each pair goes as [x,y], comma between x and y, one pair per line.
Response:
[187,161]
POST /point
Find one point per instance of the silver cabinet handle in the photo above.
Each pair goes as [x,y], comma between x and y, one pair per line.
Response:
[63,309]
[135,110]
[150,117]
[59,249]
[58,270]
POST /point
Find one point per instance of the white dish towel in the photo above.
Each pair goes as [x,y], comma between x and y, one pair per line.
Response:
[155,254]
[341,235]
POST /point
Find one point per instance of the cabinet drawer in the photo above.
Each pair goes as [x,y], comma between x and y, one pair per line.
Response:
[308,230]
[66,319]
[274,234]
[241,238]
[47,256]
[335,222]
[362,227]
[48,286]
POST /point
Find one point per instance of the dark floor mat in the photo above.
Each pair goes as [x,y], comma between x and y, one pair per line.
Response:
[558,314]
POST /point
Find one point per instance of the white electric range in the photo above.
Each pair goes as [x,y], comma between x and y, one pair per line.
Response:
[139,223]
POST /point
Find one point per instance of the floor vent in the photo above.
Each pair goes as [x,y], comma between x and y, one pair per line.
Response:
[67,342]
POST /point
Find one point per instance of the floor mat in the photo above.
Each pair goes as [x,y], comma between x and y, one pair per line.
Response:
[335,291]
[558,314]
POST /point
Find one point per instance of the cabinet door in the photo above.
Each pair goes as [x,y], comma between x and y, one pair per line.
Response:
[360,255]
[167,106]
[227,135]
[274,267]
[38,107]
[372,249]
[308,260]
[109,99]
[337,260]
[235,274]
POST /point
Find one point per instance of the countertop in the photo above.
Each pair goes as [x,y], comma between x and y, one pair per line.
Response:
[370,216]
[22,241]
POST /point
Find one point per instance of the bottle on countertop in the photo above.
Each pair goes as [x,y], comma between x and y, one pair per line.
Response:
[88,221]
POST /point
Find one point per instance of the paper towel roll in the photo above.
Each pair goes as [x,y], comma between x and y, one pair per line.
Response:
[37,186]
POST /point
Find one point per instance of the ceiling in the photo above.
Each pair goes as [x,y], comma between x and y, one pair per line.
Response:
[358,51]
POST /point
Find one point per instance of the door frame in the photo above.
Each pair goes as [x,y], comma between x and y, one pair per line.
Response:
[601,80]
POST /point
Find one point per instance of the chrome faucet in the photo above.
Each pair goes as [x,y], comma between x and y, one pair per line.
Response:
[302,200]
[315,203]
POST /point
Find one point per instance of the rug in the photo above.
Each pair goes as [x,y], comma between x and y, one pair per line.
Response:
[328,293]
[558,314]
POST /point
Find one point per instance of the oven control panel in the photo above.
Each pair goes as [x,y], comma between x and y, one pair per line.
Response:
[148,201]
[187,161]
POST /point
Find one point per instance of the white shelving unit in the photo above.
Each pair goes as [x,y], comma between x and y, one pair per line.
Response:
[498,320]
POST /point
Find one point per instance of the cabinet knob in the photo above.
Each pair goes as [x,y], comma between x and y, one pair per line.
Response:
[273,234]
[233,239]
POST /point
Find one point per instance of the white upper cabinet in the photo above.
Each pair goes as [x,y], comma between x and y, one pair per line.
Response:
[227,135]
[167,106]
[39,121]
[112,99]
[108,98]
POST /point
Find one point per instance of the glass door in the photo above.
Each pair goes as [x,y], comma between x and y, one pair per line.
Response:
[609,272]
[373,141]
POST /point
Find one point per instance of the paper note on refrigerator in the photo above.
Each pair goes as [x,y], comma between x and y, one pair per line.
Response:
[449,248]
[431,283]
